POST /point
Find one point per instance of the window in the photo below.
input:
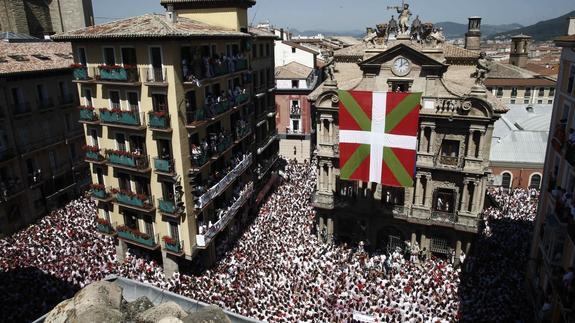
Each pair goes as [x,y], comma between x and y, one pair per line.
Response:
[159,102]
[514,92]
[94,137]
[499,92]
[552,91]
[541,91]
[149,228]
[42,95]
[82,56]
[52,159]
[109,56]
[549,101]
[506,180]
[88,97]
[450,152]
[539,101]
[261,50]
[512,101]
[115,100]
[174,232]
[295,125]
[133,101]
[293,50]
[267,50]
[121,141]
[294,84]
[526,101]
[129,56]
[528,92]
[571,79]
[535,181]
[131,220]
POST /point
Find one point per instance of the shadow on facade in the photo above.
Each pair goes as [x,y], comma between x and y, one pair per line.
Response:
[28,293]
[492,284]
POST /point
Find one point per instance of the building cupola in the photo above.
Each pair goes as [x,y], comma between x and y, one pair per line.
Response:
[473,35]
[519,50]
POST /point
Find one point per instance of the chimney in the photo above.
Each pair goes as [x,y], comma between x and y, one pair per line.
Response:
[571,26]
[473,35]
[171,15]
[519,50]
[282,34]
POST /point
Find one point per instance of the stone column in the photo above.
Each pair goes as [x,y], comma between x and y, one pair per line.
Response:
[413,238]
[330,227]
[320,227]
[170,264]
[121,248]
[431,140]
[418,189]
[422,140]
[423,243]
[481,143]
[330,178]
[457,251]
[465,197]
[476,197]
[428,190]
[470,144]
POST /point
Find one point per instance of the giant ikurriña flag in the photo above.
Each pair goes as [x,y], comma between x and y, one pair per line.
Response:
[378,136]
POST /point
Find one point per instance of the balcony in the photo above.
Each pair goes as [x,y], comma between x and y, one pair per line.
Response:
[167,207]
[45,104]
[323,201]
[105,227]
[140,202]
[224,183]
[115,74]
[208,68]
[449,161]
[448,217]
[199,159]
[242,130]
[156,77]
[173,247]
[93,155]
[164,166]
[137,237]
[88,115]
[124,119]
[264,144]
[295,112]
[21,109]
[204,240]
[10,188]
[80,72]
[100,193]
[265,166]
[159,121]
[128,160]
[216,108]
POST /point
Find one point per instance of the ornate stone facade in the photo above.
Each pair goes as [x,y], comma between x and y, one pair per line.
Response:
[442,209]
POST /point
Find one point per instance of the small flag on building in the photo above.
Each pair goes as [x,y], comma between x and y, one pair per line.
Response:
[378,136]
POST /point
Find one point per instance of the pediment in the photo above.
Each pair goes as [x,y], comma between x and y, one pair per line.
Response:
[373,64]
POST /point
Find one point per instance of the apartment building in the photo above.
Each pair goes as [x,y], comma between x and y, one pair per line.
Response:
[553,247]
[179,119]
[41,164]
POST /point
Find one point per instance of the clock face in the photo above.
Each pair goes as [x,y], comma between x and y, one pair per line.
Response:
[401,66]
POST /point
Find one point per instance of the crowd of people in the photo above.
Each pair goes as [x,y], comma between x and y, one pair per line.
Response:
[278,270]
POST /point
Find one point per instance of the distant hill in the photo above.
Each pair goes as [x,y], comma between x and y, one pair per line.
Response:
[453,30]
[541,31]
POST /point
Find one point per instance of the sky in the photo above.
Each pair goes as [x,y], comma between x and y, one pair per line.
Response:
[345,15]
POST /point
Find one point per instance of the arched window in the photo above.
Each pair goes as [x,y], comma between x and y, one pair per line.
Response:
[506,180]
[535,181]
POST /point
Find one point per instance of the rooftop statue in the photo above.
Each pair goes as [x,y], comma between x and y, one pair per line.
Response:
[404,15]
[482,68]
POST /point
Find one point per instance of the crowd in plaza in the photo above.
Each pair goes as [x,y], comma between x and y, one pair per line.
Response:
[280,271]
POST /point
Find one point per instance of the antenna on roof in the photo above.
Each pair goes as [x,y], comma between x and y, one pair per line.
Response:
[254,17]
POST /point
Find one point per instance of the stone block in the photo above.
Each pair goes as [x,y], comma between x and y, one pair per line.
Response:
[165,310]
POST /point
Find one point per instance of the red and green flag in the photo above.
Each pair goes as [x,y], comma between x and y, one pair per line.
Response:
[378,136]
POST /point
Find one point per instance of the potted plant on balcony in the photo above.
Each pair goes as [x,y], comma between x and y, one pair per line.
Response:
[170,241]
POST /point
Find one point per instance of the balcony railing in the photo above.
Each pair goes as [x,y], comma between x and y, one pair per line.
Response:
[121,117]
[156,75]
[449,161]
[164,165]
[117,73]
[127,159]
[45,103]
[21,108]
[81,73]
[449,217]
[203,240]
[87,114]
[140,201]
[166,206]
[100,192]
[158,120]
[138,237]
[209,68]
[174,248]
[93,154]
[217,189]
[242,129]
[105,227]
